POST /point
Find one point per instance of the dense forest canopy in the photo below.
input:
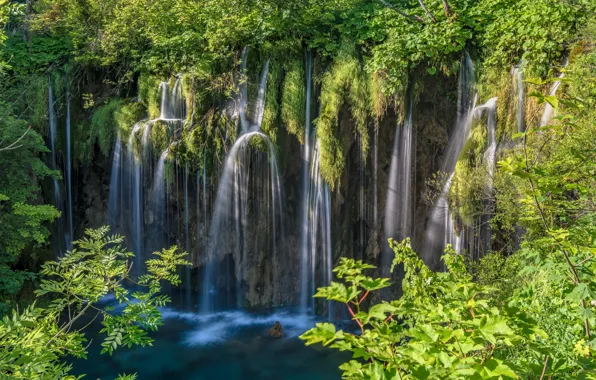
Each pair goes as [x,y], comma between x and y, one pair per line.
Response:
[523,307]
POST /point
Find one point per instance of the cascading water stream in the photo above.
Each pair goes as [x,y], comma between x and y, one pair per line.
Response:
[114,199]
[158,204]
[260,103]
[490,108]
[173,106]
[130,167]
[440,230]
[491,125]
[548,109]
[375,175]
[231,214]
[134,166]
[398,208]
[520,96]
[63,241]
[305,294]
[316,255]
[187,233]
[243,89]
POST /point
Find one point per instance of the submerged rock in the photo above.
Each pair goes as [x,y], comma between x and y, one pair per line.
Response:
[276,331]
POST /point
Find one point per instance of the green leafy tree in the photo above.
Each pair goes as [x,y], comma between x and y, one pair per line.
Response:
[23,220]
[443,327]
[36,342]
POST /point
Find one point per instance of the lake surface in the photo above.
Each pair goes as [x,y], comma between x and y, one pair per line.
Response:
[228,345]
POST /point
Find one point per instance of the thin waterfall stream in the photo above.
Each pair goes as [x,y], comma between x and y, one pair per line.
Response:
[398,208]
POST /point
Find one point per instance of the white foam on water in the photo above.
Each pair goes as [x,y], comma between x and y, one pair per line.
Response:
[217,327]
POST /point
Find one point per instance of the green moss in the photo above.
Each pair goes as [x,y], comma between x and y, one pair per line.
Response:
[117,116]
[103,129]
[378,99]
[36,100]
[293,100]
[344,83]
[160,136]
[271,114]
[126,116]
[468,186]
[149,94]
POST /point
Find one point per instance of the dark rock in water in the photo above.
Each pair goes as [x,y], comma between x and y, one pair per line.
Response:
[276,331]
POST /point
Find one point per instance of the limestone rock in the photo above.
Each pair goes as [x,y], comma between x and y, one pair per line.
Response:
[276,331]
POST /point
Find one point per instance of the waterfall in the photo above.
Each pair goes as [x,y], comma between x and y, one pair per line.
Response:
[398,208]
[317,253]
[375,174]
[114,199]
[205,192]
[136,194]
[260,104]
[491,127]
[249,186]
[187,233]
[165,111]
[135,208]
[327,251]
[305,293]
[548,109]
[243,87]
[518,85]
[62,238]
[440,230]
[69,173]
[490,160]
[157,209]
[53,122]
[315,219]
[173,106]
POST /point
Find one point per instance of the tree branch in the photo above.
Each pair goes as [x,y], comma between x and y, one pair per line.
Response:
[14,144]
[356,319]
[393,8]
[447,8]
[66,326]
[430,15]
[544,368]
